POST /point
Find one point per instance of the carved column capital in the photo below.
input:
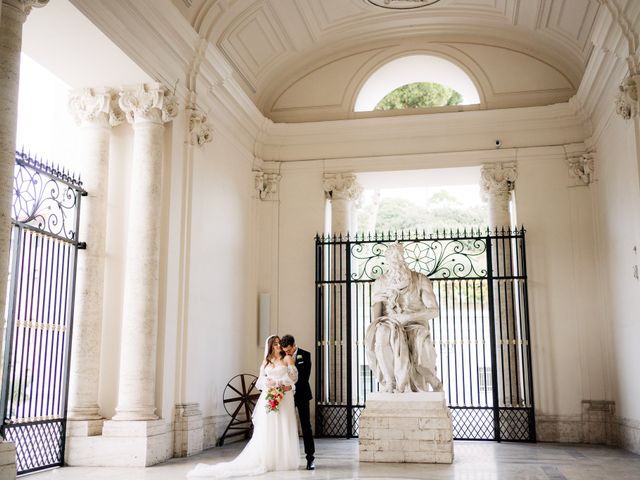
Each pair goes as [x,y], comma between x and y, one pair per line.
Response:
[24,6]
[627,105]
[266,185]
[582,167]
[200,131]
[498,178]
[341,186]
[96,106]
[148,102]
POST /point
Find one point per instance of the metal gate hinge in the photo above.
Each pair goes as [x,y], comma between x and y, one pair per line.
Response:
[82,245]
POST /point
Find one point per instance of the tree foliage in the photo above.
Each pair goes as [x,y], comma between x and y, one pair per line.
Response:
[442,211]
[419,95]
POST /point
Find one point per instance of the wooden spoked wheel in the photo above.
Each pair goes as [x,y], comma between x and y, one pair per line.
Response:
[239,399]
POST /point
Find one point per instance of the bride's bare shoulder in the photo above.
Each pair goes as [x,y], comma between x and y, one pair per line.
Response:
[288,360]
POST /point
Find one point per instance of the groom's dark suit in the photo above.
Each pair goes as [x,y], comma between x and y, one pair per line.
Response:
[302,398]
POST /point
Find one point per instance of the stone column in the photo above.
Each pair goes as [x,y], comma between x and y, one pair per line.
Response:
[13,13]
[147,108]
[96,111]
[343,190]
[498,181]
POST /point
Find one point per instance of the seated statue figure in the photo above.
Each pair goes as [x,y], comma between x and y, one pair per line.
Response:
[398,341]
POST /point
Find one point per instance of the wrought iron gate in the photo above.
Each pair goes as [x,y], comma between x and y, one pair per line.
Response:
[44,246]
[481,335]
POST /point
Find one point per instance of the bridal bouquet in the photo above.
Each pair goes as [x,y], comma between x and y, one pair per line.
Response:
[273,398]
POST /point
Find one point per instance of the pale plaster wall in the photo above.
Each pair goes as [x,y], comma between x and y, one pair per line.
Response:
[222,322]
[618,201]
[544,207]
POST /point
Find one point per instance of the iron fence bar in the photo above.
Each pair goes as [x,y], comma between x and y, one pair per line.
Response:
[69,327]
[319,329]
[9,332]
[492,340]
[532,423]
[348,346]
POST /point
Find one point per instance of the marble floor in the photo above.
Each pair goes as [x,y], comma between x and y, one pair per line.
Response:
[338,459]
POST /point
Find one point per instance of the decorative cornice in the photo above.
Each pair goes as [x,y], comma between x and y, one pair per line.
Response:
[266,185]
[581,166]
[341,186]
[148,102]
[96,106]
[498,178]
[200,131]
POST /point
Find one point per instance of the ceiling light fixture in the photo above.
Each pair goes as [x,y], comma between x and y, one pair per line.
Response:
[402,4]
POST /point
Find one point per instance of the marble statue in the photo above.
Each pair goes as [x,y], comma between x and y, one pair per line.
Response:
[398,341]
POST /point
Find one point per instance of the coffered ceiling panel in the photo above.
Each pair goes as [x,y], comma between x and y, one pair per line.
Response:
[272,44]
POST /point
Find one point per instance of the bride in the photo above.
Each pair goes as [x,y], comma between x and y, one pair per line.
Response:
[274,444]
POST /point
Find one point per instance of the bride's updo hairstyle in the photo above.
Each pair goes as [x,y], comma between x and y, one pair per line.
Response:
[270,341]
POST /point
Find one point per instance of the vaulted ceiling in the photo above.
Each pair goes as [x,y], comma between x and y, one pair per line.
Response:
[302,60]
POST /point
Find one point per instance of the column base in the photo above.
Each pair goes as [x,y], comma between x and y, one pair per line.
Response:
[8,460]
[188,430]
[84,413]
[135,414]
[406,428]
[122,444]
[84,428]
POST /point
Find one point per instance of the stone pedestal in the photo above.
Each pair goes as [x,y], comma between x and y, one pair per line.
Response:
[188,430]
[122,444]
[7,460]
[406,428]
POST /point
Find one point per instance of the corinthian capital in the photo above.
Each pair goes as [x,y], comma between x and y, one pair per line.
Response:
[498,178]
[97,106]
[341,186]
[23,7]
[148,102]
[627,99]
[266,185]
[200,131]
[581,166]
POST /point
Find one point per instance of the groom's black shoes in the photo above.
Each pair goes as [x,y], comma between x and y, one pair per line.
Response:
[311,465]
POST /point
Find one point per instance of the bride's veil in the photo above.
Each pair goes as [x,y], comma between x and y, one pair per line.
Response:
[266,345]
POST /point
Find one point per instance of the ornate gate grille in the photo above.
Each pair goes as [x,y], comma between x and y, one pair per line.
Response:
[481,335]
[44,246]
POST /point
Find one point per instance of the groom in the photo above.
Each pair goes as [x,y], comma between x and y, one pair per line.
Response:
[303,393]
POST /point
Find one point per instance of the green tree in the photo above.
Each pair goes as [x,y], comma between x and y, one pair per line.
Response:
[419,95]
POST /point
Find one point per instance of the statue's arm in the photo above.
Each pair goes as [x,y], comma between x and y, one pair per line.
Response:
[376,310]
[429,298]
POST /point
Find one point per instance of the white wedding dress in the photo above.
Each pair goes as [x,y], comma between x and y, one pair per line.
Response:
[274,444]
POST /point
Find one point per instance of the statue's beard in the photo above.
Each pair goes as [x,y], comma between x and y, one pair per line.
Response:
[399,275]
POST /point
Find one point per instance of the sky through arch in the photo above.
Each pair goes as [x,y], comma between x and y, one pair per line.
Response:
[413,69]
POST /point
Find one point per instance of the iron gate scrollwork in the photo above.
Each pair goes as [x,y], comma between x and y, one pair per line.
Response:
[481,334]
[44,246]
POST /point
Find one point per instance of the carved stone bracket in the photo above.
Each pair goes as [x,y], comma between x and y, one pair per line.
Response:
[581,167]
[266,185]
[627,105]
[150,102]
[498,178]
[341,186]
[200,131]
[97,106]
